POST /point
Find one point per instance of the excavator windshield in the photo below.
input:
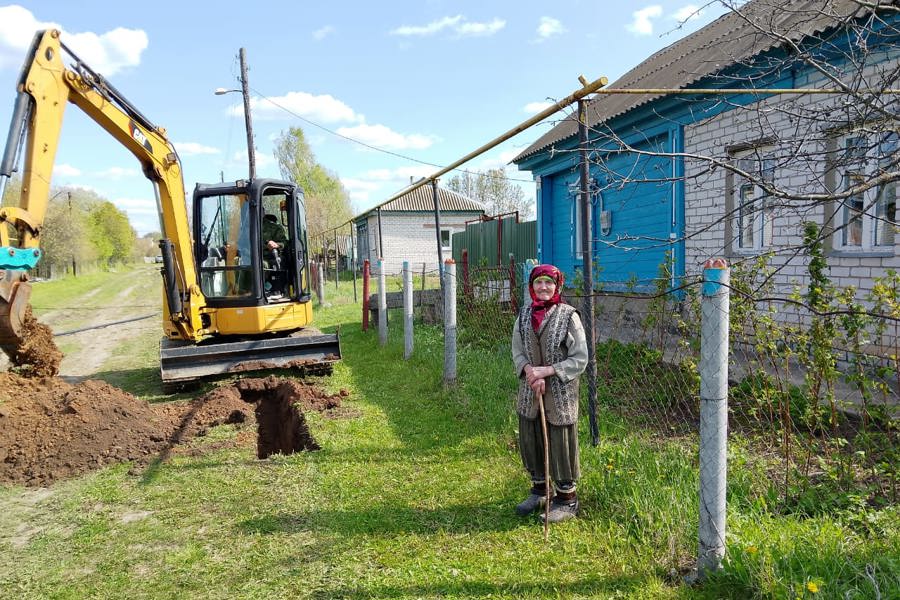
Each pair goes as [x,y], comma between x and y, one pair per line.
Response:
[226,268]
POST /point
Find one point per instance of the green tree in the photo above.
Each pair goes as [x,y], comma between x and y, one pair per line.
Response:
[65,240]
[327,202]
[493,189]
[110,233]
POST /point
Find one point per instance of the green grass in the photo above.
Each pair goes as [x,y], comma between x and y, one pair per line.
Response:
[413,498]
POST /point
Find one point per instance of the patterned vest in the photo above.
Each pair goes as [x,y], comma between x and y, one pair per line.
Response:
[547,347]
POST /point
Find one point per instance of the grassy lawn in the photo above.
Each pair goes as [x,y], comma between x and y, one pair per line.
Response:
[412,498]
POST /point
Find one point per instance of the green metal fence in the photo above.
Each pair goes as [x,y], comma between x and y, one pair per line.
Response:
[489,243]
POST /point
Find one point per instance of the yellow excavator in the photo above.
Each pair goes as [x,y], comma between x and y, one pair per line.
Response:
[233,299]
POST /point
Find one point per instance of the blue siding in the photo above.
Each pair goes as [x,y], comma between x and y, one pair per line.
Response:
[638,193]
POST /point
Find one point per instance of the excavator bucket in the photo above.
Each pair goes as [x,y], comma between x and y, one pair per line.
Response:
[15,292]
[185,362]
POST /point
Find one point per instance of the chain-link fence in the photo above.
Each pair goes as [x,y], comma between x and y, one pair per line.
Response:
[812,386]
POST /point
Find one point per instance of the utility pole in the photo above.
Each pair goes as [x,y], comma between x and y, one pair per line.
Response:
[245,90]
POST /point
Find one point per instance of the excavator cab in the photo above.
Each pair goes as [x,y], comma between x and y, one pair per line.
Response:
[251,243]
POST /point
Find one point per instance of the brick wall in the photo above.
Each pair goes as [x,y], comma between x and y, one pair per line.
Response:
[411,237]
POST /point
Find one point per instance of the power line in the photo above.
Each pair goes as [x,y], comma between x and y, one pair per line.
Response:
[376,148]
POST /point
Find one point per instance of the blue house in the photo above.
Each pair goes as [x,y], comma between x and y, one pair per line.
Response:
[678,178]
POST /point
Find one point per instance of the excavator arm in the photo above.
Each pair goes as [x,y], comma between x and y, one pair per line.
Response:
[46,86]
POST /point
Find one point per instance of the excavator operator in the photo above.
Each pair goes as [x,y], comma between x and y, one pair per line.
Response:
[274,240]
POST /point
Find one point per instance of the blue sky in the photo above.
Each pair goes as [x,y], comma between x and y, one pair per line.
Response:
[429,80]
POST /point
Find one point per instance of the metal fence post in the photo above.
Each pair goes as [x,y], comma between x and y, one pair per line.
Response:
[714,307]
[407,311]
[382,304]
[449,278]
[513,301]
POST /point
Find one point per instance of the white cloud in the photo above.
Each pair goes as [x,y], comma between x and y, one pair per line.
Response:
[533,108]
[194,149]
[687,12]
[117,173]
[322,109]
[110,52]
[64,170]
[263,160]
[480,29]
[549,27]
[456,24]
[106,53]
[642,24]
[379,184]
[429,29]
[141,213]
[323,32]
[384,137]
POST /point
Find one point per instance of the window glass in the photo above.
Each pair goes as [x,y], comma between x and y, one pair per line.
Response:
[868,217]
[224,247]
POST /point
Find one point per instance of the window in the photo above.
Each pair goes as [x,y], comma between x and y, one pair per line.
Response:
[755,223]
[867,217]
[445,240]
[575,219]
[224,246]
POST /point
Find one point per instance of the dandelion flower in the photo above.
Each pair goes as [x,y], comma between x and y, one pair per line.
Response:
[813,587]
[752,549]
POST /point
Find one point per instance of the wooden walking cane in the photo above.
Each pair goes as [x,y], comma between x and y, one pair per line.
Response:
[546,467]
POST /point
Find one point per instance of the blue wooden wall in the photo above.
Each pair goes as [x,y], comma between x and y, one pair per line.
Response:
[639,193]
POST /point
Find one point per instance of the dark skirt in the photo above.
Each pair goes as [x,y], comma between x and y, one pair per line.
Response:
[564,461]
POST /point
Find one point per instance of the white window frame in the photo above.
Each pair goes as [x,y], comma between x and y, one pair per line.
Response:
[754,227]
[448,249]
[863,222]
[575,220]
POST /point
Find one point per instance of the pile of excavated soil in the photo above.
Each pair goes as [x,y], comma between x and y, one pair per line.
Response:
[37,355]
[52,430]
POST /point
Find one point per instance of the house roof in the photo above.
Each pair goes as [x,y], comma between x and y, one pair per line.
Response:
[421,199]
[730,39]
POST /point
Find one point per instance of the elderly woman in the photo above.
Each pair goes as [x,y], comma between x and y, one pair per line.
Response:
[550,352]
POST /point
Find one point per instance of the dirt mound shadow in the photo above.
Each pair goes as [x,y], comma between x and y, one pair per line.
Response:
[52,430]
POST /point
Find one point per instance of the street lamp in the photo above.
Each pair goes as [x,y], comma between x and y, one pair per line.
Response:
[245,92]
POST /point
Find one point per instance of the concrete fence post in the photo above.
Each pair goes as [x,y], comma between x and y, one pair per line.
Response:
[365,286]
[530,264]
[407,311]
[320,288]
[382,304]
[714,306]
[449,278]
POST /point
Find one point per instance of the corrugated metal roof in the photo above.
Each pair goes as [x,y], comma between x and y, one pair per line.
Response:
[730,39]
[421,199]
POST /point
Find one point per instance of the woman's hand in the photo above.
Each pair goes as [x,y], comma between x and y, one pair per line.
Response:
[535,376]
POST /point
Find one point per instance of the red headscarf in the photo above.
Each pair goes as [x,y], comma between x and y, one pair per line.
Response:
[539,308]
